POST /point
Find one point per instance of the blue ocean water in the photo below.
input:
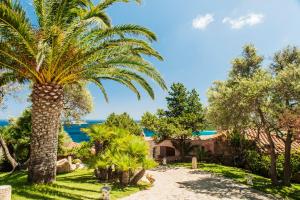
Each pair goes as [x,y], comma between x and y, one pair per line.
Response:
[73,130]
[78,136]
[149,133]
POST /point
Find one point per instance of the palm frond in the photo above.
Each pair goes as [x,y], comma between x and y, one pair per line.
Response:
[14,24]
[101,87]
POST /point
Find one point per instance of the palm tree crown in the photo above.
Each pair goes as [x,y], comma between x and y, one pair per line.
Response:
[74,42]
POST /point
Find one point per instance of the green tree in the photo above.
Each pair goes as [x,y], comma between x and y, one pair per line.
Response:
[263,100]
[124,121]
[242,102]
[74,42]
[184,116]
[78,102]
[149,121]
[176,101]
[246,65]
[286,101]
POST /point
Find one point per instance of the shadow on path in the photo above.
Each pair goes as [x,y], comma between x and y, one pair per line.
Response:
[221,188]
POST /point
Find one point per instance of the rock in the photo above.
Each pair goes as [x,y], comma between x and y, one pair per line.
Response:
[5,192]
[64,166]
[150,178]
[81,166]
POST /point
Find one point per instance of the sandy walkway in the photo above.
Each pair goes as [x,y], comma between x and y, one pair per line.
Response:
[187,184]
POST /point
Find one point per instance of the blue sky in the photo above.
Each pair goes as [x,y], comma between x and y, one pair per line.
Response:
[198,39]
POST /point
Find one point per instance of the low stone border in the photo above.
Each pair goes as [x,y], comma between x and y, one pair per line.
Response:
[5,192]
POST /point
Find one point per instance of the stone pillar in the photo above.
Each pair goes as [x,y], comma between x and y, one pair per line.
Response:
[70,159]
[164,161]
[5,192]
[194,162]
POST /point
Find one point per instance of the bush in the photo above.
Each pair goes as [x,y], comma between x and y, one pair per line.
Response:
[258,164]
[295,163]
[118,154]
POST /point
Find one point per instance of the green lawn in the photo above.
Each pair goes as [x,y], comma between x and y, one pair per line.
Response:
[76,185]
[259,182]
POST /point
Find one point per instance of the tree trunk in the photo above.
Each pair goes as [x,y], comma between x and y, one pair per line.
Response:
[138,177]
[124,179]
[98,147]
[47,104]
[272,152]
[101,174]
[110,174]
[287,170]
[182,153]
[7,154]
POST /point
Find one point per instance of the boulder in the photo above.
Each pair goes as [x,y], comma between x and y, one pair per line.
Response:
[64,166]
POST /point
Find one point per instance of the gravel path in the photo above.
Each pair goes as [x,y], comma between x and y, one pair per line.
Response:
[186,184]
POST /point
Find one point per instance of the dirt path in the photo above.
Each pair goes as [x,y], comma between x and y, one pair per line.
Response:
[187,184]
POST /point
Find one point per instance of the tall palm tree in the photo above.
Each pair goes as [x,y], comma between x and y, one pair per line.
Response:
[74,42]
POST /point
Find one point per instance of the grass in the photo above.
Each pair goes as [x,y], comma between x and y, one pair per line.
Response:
[260,183]
[76,185]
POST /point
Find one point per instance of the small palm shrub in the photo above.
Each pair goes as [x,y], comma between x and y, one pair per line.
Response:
[120,155]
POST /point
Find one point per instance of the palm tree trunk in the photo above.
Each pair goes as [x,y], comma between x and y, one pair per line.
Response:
[138,177]
[124,179]
[47,104]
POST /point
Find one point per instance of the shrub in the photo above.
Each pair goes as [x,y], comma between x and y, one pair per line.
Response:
[120,155]
[295,163]
[258,164]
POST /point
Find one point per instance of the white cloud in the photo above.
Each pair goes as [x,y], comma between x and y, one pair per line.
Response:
[202,21]
[247,20]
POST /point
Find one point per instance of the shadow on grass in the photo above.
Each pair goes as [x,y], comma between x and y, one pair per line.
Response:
[75,186]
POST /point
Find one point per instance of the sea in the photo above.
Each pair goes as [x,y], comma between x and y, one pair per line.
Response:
[74,130]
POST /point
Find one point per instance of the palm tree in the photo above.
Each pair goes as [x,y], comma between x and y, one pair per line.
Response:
[73,43]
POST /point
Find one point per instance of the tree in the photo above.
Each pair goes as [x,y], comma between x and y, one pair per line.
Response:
[73,43]
[259,100]
[241,102]
[176,101]
[184,116]
[286,100]
[78,102]
[124,121]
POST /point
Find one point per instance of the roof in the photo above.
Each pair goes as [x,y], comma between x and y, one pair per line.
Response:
[262,141]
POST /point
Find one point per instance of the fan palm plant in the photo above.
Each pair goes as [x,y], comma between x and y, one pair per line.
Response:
[73,42]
